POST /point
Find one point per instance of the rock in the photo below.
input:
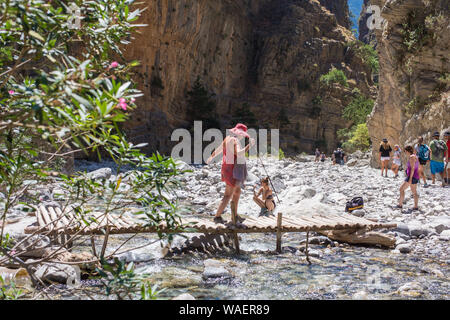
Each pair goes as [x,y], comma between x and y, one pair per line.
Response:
[440,224]
[321,240]
[404,248]
[314,253]
[445,233]
[136,256]
[184,296]
[103,174]
[418,230]
[437,273]
[215,269]
[216,272]
[352,162]
[309,193]
[358,213]
[412,289]
[35,246]
[360,295]
[56,272]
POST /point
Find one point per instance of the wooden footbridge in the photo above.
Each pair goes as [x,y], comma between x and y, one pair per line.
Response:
[53,222]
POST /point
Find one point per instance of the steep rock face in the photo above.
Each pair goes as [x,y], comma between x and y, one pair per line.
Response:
[366,35]
[267,53]
[340,9]
[413,46]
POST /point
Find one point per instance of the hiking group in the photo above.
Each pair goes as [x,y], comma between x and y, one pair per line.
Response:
[338,156]
[417,158]
[436,153]
[234,169]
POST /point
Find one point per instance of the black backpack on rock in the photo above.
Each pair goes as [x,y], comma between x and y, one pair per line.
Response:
[355,203]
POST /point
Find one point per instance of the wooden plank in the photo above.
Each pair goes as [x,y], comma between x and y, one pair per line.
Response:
[317,223]
[39,217]
[64,219]
[46,218]
[299,222]
[264,222]
[55,218]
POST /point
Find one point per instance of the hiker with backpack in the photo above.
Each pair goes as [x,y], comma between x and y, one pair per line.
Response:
[423,153]
[397,162]
[438,150]
[385,156]
[412,179]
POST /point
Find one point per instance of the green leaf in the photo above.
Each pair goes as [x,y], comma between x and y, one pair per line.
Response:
[36,35]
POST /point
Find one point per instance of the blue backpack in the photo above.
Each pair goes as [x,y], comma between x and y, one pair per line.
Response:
[424,153]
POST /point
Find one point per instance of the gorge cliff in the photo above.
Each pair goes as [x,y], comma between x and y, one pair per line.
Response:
[413,46]
[265,54]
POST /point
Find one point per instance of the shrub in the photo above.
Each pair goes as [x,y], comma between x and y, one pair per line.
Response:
[334,76]
[73,103]
[367,54]
[359,138]
[358,109]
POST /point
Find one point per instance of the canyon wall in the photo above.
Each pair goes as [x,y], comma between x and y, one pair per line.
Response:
[413,46]
[268,54]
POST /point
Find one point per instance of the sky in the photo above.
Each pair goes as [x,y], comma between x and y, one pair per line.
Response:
[355,7]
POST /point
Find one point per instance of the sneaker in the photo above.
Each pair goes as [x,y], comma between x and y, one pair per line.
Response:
[426,185]
[415,209]
[239,218]
[263,212]
[219,220]
[398,207]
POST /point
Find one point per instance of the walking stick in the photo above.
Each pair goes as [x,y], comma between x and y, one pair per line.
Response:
[270,179]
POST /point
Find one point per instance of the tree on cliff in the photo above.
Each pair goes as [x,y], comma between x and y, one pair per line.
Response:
[246,116]
[201,106]
[59,86]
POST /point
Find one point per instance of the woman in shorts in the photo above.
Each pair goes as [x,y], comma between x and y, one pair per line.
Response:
[397,162]
[385,156]
[412,178]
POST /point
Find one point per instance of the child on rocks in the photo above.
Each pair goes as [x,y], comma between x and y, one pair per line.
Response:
[267,203]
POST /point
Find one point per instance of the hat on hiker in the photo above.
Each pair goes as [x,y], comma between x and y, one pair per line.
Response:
[436,134]
[240,130]
[385,140]
[447,134]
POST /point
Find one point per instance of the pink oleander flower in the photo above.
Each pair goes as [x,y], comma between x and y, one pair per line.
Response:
[11,92]
[114,64]
[133,100]
[123,104]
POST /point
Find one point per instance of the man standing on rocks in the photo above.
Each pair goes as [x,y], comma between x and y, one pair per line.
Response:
[438,152]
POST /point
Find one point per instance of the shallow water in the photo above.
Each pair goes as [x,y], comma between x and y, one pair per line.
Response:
[339,273]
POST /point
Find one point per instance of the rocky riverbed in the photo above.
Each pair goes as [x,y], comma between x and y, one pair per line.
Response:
[417,267]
